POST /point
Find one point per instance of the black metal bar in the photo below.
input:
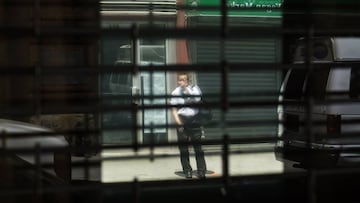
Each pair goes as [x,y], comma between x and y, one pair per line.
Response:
[225,166]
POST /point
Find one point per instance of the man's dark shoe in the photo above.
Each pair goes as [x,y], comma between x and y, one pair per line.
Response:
[201,174]
[188,174]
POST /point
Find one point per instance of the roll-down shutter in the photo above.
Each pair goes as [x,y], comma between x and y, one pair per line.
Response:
[243,84]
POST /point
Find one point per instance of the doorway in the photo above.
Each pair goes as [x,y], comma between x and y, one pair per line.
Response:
[147,89]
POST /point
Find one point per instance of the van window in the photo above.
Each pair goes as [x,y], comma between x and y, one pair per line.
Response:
[347,48]
[355,83]
[317,82]
[295,84]
[314,84]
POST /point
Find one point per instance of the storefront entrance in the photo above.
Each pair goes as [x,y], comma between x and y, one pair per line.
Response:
[121,90]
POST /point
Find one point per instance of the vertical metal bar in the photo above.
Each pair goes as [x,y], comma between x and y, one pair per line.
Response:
[224,87]
[36,18]
[136,190]
[223,31]
[224,12]
[309,100]
[38,172]
[152,141]
[134,57]
[38,78]
[86,167]
[38,74]
[224,80]
[151,14]
[311,186]
[142,105]
[225,166]
[134,129]
[135,70]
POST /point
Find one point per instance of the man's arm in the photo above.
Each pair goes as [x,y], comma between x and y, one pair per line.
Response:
[197,91]
[177,119]
[176,116]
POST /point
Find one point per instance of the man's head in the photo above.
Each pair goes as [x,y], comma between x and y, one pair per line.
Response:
[183,79]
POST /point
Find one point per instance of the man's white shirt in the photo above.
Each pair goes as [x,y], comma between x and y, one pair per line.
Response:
[178,100]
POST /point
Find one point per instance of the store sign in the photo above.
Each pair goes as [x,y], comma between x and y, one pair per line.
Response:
[254,4]
[260,7]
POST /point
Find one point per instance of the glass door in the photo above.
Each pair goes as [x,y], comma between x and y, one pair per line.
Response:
[120,90]
[117,93]
[153,91]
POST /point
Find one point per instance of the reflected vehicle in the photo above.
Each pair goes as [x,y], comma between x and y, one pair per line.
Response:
[319,111]
[119,95]
[125,93]
[123,89]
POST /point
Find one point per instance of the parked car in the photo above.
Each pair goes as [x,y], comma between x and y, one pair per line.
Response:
[33,147]
[319,111]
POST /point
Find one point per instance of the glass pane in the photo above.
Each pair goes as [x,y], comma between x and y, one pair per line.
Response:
[152,54]
[117,92]
[153,84]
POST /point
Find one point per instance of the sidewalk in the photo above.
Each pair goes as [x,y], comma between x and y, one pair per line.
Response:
[166,165]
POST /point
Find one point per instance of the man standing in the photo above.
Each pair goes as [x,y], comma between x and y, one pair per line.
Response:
[188,130]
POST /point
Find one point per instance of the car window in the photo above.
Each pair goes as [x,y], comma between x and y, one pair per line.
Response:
[355,83]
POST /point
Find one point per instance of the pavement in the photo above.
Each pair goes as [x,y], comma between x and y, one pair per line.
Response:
[153,168]
[164,163]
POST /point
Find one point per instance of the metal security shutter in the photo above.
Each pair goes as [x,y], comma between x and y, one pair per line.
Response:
[243,85]
[164,7]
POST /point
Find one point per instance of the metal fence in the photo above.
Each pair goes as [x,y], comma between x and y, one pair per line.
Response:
[81,79]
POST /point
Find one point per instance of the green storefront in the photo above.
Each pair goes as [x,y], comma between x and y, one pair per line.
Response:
[246,84]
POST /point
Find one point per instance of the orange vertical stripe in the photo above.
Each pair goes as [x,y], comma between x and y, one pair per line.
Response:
[182,56]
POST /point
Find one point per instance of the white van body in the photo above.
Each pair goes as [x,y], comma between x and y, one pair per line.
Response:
[319,111]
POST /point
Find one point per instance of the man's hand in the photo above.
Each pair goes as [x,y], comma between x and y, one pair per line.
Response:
[181,128]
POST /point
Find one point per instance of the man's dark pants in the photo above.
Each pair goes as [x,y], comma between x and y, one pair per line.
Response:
[191,135]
